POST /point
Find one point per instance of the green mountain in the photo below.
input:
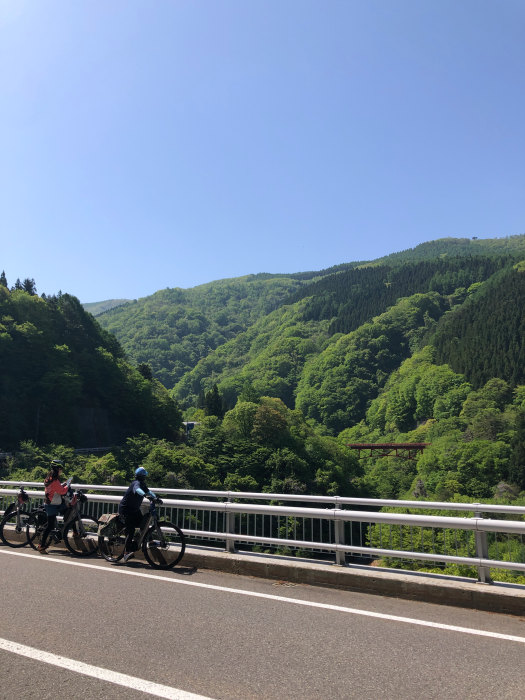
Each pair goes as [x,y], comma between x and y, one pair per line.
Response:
[99,307]
[64,379]
[458,247]
[282,372]
[268,358]
[174,328]
[277,355]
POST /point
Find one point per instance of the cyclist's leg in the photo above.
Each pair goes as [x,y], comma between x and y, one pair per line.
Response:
[51,523]
[132,521]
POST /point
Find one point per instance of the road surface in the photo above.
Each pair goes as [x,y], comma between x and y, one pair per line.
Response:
[91,630]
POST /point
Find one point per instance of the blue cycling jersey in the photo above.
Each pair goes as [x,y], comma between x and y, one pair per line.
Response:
[132,499]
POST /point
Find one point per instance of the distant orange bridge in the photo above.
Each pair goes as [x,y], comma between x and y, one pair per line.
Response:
[405,450]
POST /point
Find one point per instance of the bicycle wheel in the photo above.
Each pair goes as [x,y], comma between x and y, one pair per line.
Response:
[166,551]
[35,525]
[13,529]
[82,545]
[112,548]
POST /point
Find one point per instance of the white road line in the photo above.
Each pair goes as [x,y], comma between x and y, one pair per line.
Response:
[103,674]
[268,596]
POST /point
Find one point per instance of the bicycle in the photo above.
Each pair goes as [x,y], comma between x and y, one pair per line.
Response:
[162,543]
[14,520]
[78,530]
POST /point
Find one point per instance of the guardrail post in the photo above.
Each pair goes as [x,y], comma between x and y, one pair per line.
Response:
[339,534]
[230,527]
[482,551]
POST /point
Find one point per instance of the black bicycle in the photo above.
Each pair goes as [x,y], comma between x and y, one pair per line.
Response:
[78,531]
[14,520]
[162,543]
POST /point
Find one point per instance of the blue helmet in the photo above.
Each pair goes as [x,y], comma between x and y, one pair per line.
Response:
[141,473]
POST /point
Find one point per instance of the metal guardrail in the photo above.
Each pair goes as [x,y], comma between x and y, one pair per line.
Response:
[363,533]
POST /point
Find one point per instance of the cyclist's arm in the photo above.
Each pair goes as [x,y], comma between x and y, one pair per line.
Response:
[147,493]
[56,487]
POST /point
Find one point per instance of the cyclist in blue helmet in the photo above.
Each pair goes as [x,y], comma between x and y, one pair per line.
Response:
[129,507]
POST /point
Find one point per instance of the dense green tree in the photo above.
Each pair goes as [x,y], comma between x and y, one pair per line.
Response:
[29,286]
[213,405]
[516,470]
[240,420]
[269,426]
[249,393]
[145,370]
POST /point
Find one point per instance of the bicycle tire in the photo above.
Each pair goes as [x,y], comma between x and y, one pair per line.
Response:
[112,548]
[78,545]
[164,556]
[35,525]
[12,535]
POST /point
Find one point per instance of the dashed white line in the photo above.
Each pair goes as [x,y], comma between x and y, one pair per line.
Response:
[103,674]
[280,599]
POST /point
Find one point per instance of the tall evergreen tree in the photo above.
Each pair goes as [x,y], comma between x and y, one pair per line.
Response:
[29,286]
[145,369]
[213,403]
[517,457]
[3,279]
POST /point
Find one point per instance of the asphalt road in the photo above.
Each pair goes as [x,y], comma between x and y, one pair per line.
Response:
[224,636]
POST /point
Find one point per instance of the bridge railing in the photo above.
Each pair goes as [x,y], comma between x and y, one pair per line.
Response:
[352,529]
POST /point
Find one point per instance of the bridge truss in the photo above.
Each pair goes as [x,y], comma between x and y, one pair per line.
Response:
[404,450]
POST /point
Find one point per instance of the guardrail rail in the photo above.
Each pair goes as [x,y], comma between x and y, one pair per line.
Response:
[351,529]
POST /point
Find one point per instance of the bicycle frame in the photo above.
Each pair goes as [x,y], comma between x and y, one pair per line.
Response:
[21,499]
[71,515]
[161,542]
[151,515]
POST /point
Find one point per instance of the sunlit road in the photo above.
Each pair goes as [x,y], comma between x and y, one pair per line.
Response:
[65,620]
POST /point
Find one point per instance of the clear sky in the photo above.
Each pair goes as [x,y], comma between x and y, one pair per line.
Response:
[147,144]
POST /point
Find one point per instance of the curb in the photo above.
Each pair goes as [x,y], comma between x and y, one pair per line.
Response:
[429,588]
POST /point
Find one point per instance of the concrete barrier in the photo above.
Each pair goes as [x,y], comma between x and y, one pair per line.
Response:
[429,588]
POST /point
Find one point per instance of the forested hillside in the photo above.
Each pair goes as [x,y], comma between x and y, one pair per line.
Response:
[272,354]
[353,297]
[99,307]
[174,328]
[63,379]
[268,358]
[458,247]
[484,337]
[281,372]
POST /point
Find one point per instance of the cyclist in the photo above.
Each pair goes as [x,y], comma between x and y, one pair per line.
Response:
[129,508]
[53,501]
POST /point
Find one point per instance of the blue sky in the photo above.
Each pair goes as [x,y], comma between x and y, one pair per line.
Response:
[169,143]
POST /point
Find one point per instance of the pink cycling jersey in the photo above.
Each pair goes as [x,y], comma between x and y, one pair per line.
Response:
[53,486]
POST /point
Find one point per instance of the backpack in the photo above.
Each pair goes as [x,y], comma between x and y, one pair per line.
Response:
[109,524]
